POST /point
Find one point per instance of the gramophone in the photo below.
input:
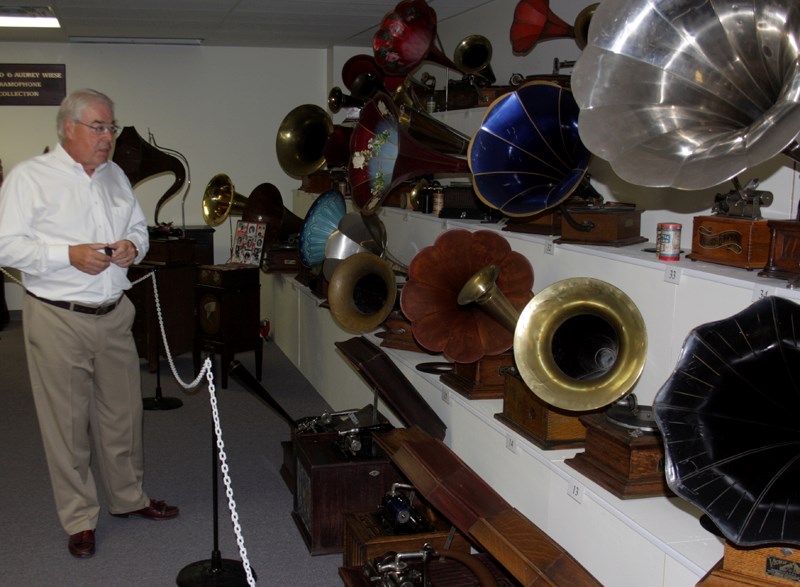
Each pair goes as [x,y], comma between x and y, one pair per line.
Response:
[527,158]
[534,22]
[321,220]
[669,113]
[141,160]
[475,344]
[728,415]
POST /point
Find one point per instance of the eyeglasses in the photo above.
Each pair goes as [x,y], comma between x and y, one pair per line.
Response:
[100,129]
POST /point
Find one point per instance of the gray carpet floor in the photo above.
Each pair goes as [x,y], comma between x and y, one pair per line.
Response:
[178,452]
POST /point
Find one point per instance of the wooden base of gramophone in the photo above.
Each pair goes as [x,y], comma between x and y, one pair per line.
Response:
[738,242]
[544,425]
[483,379]
[547,223]
[614,225]
[783,261]
[755,567]
[626,462]
[397,334]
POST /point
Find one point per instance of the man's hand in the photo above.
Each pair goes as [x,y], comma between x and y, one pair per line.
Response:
[89,258]
[123,253]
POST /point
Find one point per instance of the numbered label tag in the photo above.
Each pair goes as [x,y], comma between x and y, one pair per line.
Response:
[762,291]
[672,275]
[549,248]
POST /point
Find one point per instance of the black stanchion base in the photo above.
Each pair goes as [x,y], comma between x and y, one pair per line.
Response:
[161,403]
[213,573]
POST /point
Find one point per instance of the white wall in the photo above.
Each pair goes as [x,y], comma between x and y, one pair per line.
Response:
[219,107]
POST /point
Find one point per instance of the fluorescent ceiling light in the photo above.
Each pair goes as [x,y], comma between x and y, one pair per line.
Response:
[29,17]
[135,41]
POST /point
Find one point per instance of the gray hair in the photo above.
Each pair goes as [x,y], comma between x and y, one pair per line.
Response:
[72,107]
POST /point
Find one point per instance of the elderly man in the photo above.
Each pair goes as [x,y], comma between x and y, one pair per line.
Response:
[70,223]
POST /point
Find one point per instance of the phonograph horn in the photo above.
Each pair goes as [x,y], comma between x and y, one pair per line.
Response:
[301,140]
[666,112]
[221,200]
[473,56]
[140,160]
[337,100]
[579,344]
[362,292]
[406,38]
[533,22]
[383,155]
[427,129]
[527,155]
[265,204]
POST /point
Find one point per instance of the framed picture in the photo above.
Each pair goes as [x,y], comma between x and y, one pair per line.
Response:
[248,242]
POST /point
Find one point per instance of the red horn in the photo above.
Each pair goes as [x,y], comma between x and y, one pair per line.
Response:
[383,155]
[406,38]
[534,22]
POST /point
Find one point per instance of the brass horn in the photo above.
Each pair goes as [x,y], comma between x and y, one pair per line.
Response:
[140,160]
[221,200]
[579,344]
[362,292]
[301,140]
[473,56]
[337,100]
[427,129]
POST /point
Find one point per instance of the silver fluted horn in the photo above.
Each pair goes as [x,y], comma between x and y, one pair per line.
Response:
[686,94]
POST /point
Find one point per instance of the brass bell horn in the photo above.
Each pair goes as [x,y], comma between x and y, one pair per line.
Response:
[362,292]
[473,56]
[301,140]
[221,200]
[337,100]
[579,344]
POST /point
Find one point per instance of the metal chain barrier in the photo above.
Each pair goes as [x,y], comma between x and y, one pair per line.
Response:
[223,457]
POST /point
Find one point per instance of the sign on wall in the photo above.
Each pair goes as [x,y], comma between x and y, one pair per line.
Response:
[32,84]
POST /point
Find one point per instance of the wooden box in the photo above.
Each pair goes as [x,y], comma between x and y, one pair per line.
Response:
[755,567]
[483,379]
[738,242]
[784,250]
[329,486]
[365,538]
[171,250]
[544,425]
[628,463]
[281,260]
[615,226]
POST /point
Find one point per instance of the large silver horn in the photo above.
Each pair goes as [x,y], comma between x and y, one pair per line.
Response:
[686,94]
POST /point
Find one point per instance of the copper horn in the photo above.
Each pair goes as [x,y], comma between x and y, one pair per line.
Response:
[362,292]
[383,155]
[534,22]
[140,160]
[473,56]
[580,344]
[406,38]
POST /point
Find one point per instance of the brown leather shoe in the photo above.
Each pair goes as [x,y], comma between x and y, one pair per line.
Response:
[157,510]
[81,544]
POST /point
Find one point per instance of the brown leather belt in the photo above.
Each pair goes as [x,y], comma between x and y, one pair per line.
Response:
[93,310]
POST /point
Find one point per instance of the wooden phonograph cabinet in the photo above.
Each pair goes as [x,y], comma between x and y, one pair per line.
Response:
[344,471]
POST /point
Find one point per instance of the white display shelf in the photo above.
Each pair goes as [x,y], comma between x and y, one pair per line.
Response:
[654,541]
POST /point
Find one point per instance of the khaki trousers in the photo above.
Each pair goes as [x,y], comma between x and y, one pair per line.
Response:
[84,373]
